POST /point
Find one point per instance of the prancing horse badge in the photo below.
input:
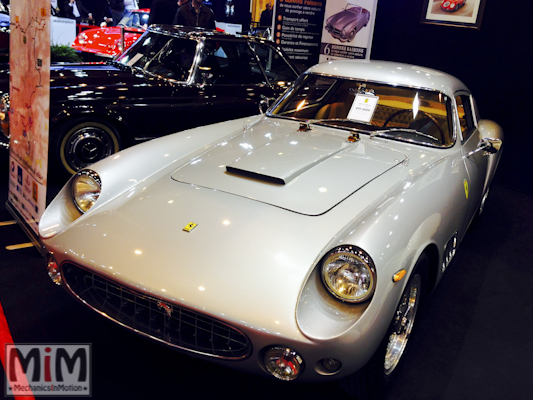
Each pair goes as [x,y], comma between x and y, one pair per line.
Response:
[189,227]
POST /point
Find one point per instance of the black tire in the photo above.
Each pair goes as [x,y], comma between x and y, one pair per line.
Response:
[375,379]
[83,142]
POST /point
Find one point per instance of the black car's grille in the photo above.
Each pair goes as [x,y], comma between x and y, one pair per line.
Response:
[165,322]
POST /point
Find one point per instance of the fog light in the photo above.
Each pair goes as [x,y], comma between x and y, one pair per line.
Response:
[53,269]
[328,366]
[284,363]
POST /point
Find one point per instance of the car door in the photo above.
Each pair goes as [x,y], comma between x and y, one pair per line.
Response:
[231,81]
[475,163]
[162,104]
[174,66]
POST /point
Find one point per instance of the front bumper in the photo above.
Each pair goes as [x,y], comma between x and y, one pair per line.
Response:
[227,343]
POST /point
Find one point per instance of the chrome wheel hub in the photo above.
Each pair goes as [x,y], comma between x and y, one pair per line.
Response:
[88,146]
[402,325]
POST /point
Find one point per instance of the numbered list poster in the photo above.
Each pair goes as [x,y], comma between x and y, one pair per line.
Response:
[298,29]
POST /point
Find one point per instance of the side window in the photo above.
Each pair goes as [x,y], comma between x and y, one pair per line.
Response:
[275,66]
[466,116]
[175,59]
[144,50]
[229,63]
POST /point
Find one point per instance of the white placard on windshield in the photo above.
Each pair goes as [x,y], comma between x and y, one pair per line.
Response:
[363,107]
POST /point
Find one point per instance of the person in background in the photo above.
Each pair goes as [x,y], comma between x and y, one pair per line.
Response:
[163,12]
[99,12]
[266,17]
[195,14]
[117,10]
[74,9]
[130,5]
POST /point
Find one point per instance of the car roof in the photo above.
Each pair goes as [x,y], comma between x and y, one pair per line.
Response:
[393,73]
[193,32]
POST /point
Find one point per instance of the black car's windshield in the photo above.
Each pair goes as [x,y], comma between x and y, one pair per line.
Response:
[162,55]
[402,113]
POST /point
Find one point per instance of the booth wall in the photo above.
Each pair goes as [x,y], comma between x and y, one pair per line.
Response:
[494,62]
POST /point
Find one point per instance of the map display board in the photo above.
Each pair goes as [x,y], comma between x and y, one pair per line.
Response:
[29,108]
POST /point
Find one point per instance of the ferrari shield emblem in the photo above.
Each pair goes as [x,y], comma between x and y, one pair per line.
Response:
[189,227]
[466,188]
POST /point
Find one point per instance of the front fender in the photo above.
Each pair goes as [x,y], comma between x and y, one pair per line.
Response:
[124,170]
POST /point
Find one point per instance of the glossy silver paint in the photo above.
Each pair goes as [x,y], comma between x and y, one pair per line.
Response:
[251,260]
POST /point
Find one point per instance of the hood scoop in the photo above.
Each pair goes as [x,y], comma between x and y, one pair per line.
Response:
[281,161]
[255,176]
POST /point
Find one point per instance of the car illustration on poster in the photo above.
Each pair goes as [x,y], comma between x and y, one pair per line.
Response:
[297,244]
[345,24]
[452,5]
[107,41]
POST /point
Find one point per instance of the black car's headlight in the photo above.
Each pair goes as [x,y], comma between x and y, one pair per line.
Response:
[349,274]
[86,187]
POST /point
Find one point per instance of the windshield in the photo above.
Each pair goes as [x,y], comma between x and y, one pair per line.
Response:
[162,55]
[352,7]
[401,113]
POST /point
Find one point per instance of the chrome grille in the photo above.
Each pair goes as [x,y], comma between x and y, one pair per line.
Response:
[180,327]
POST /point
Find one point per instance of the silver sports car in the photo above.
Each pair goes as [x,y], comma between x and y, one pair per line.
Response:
[297,244]
[345,24]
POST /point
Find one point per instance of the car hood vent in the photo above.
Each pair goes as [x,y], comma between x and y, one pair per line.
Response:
[254,175]
[272,162]
[286,158]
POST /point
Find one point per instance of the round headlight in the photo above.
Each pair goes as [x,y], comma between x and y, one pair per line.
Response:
[283,363]
[349,274]
[82,38]
[86,187]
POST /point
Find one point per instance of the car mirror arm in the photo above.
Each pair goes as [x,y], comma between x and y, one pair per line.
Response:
[488,145]
[264,104]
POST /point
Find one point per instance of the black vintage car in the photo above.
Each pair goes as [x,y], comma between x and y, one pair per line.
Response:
[171,79]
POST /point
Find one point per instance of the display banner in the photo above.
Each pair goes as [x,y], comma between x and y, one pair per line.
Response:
[298,29]
[29,108]
[348,30]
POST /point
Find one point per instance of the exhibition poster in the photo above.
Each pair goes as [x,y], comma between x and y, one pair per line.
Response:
[29,108]
[348,30]
[298,29]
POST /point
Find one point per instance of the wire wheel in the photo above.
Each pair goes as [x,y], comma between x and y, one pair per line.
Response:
[402,324]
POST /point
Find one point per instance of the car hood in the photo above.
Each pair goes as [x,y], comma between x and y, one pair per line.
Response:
[307,172]
[248,256]
[90,74]
[343,18]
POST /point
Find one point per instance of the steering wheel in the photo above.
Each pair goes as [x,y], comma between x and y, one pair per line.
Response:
[431,118]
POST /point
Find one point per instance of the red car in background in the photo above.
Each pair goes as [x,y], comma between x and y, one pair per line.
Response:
[452,5]
[107,41]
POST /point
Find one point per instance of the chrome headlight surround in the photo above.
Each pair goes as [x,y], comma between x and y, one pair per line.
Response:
[283,362]
[349,274]
[86,187]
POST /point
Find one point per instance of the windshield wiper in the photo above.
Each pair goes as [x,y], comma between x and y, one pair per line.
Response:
[400,130]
